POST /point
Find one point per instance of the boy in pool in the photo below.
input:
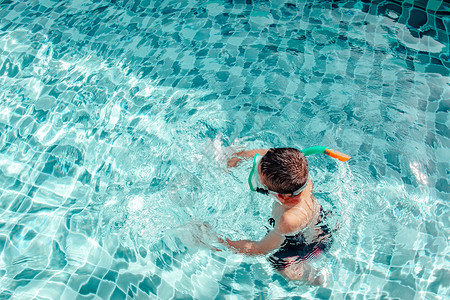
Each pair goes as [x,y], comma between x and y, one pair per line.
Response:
[298,233]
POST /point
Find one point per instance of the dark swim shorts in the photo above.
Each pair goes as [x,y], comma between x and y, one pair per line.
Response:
[295,249]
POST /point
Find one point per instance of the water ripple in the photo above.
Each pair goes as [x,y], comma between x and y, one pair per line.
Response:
[116,120]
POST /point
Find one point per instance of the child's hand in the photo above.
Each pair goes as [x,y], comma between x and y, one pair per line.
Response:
[197,234]
[246,154]
[234,161]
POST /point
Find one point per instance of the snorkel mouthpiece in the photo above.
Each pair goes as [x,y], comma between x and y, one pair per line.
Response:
[330,152]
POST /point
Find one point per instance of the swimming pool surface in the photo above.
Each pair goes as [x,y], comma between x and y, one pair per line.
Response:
[116,119]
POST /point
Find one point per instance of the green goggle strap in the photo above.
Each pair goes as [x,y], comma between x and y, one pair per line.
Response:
[252,188]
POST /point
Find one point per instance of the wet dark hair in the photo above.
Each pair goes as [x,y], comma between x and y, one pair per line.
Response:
[286,169]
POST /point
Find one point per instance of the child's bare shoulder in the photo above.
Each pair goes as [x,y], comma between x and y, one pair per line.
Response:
[291,223]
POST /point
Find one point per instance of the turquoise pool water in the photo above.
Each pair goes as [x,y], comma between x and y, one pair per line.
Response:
[116,118]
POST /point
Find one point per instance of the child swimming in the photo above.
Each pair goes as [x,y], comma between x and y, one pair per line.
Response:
[298,232]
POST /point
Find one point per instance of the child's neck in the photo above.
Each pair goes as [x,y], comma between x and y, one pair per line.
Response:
[293,201]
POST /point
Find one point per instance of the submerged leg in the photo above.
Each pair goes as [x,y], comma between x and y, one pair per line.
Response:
[303,271]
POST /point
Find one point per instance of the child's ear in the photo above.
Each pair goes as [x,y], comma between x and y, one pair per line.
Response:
[283,197]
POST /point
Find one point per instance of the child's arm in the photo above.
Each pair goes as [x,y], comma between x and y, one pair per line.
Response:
[237,157]
[289,224]
[272,241]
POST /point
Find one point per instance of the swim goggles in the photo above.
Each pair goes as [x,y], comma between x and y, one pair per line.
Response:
[256,185]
